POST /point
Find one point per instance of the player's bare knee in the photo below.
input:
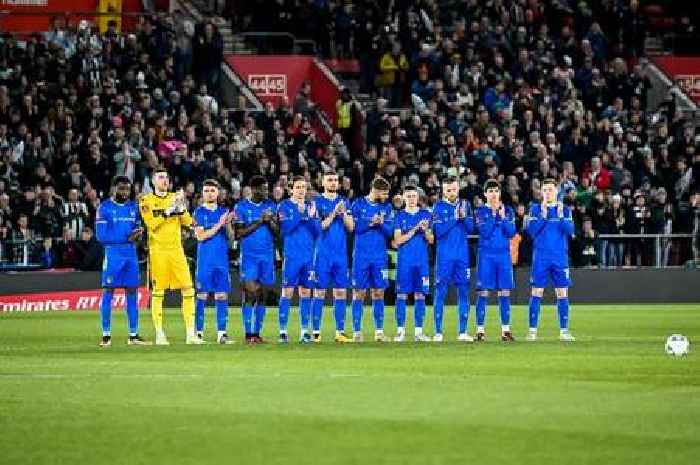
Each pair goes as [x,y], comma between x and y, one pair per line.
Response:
[402,296]
[359,294]
[504,293]
[377,294]
[340,294]
[304,292]
[320,293]
[221,296]
[562,292]
[419,296]
[537,291]
[288,292]
[202,295]
[187,292]
[483,293]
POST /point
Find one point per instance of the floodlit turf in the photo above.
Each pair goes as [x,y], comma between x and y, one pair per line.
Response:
[612,397]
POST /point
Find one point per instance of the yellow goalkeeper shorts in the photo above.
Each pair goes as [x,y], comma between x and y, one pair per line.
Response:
[169,269]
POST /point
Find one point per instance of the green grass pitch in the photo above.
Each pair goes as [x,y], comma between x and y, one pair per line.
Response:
[613,397]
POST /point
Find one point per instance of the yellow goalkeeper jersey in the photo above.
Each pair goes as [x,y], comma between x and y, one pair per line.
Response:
[163,232]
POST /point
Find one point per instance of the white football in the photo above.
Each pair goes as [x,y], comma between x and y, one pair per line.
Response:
[677,345]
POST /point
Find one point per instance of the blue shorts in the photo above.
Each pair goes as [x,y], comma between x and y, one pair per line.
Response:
[212,279]
[297,272]
[258,268]
[412,277]
[370,274]
[547,270]
[494,272]
[331,272]
[120,268]
[451,271]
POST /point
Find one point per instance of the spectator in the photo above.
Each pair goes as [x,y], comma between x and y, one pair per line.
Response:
[89,251]
[75,213]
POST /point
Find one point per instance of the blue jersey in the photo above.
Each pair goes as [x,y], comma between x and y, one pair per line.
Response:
[370,240]
[495,232]
[260,241]
[212,252]
[113,225]
[299,230]
[332,241]
[451,232]
[115,222]
[550,234]
[415,250]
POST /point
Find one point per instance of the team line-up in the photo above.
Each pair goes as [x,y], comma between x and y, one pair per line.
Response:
[314,234]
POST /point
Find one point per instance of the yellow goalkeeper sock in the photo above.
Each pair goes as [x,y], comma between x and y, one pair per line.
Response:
[157,310]
[188,309]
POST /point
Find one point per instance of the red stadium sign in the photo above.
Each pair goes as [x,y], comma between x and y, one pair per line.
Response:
[684,72]
[69,300]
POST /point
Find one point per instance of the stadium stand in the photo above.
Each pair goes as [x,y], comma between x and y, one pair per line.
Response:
[476,89]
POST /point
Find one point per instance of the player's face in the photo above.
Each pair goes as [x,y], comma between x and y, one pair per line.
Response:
[261,192]
[161,181]
[330,183]
[122,192]
[210,194]
[411,199]
[493,195]
[450,191]
[379,196]
[299,190]
[549,193]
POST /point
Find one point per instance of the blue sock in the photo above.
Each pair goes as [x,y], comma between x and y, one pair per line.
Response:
[463,308]
[401,312]
[378,311]
[260,311]
[357,310]
[317,314]
[106,310]
[199,314]
[534,310]
[283,313]
[247,319]
[439,306]
[221,314]
[504,307]
[340,307]
[419,312]
[481,302]
[304,312]
[563,309]
[132,312]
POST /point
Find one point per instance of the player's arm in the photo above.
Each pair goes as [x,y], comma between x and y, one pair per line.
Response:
[348,220]
[103,227]
[442,224]
[202,234]
[566,221]
[387,224]
[401,238]
[485,223]
[152,220]
[508,223]
[242,229]
[185,219]
[271,221]
[288,220]
[362,224]
[535,221]
[427,230]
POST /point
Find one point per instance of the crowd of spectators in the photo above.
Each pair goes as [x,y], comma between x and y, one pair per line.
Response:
[509,89]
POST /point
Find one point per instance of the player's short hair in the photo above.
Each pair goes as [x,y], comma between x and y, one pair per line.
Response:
[160,170]
[410,188]
[492,184]
[330,173]
[296,179]
[121,180]
[212,183]
[449,180]
[381,184]
[551,181]
[257,181]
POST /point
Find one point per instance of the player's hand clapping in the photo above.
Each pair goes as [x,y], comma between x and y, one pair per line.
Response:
[135,234]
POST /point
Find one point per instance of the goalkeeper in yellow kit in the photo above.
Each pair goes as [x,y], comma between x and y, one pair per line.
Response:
[164,214]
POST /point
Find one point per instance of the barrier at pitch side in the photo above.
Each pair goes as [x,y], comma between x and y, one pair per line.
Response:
[41,291]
